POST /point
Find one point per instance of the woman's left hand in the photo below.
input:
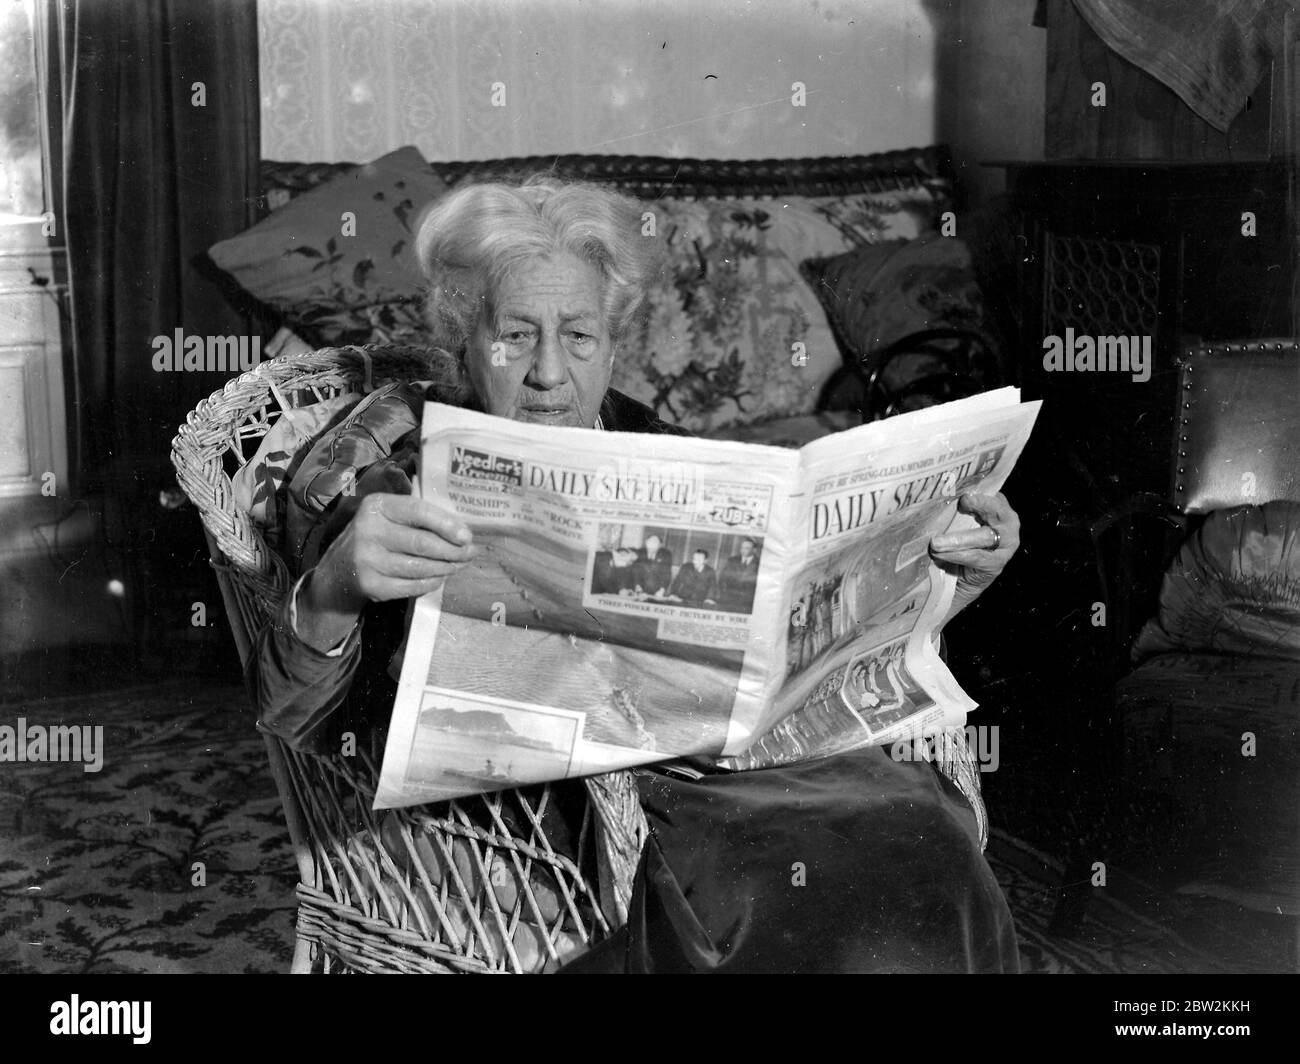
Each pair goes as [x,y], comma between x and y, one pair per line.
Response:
[977,568]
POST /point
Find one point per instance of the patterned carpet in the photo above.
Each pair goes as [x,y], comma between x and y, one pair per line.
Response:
[98,870]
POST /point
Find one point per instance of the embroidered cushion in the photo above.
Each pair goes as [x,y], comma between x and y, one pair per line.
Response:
[337,262]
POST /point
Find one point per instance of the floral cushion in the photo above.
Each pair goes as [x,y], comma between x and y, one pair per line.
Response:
[879,294]
[873,218]
[734,335]
[335,289]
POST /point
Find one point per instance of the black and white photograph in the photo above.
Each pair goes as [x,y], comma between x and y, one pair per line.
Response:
[713,571]
[454,736]
[857,586]
[246,246]
[878,688]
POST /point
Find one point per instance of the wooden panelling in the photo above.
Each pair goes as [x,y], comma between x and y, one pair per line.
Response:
[32,416]
[15,452]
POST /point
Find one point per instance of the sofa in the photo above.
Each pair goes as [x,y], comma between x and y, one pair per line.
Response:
[793,290]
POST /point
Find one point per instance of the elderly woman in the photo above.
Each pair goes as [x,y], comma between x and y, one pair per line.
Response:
[857,862]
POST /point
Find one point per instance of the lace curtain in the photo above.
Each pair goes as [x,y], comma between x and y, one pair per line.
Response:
[352,79]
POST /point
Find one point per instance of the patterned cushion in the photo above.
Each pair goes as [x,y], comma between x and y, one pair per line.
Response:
[717,344]
[335,289]
[1234,587]
[873,218]
[719,347]
[878,294]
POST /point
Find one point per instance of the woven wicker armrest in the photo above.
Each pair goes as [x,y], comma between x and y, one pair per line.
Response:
[475,885]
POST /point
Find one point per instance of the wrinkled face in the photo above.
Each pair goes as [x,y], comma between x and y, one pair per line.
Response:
[548,356]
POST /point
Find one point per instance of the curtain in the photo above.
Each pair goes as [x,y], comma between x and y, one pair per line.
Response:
[157,111]
[155,107]
[353,79]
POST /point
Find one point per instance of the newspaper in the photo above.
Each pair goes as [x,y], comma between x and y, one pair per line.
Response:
[643,598]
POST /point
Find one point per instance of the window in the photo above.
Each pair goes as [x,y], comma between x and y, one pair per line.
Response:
[33,446]
[23,200]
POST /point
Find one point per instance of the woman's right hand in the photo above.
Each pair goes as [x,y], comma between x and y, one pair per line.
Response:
[395,546]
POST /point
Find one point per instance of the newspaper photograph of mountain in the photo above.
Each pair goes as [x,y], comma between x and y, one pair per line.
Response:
[691,568]
[460,740]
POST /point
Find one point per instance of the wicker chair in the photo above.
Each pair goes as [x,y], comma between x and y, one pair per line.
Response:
[467,886]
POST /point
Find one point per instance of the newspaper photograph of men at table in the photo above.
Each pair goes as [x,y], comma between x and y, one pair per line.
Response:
[644,600]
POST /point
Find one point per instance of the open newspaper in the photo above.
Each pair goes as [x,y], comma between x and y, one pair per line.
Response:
[645,598]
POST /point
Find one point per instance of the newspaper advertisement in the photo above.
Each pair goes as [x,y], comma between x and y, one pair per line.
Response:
[642,598]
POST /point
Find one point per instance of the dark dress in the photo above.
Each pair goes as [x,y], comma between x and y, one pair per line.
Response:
[852,863]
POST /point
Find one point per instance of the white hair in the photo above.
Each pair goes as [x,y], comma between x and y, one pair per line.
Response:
[474,235]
